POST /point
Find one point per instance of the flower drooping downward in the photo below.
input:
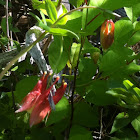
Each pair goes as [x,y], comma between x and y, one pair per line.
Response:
[107,34]
[37,101]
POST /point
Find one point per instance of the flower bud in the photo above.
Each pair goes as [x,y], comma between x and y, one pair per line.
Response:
[107,34]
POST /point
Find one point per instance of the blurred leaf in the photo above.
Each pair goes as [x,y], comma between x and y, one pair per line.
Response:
[3,23]
[89,48]
[58,56]
[40,134]
[133,12]
[3,40]
[15,68]
[123,32]
[85,115]
[63,32]
[75,48]
[79,133]
[123,119]
[62,111]
[84,18]
[125,134]
[38,4]
[24,86]
[51,10]
[131,68]
[113,5]
[136,124]
[134,39]
[118,56]
[87,69]
[76,3]
[64,20]
[97,93]
[74,22]
[11,27]
[137,25]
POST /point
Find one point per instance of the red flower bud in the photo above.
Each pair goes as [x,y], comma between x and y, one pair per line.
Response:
[107,34]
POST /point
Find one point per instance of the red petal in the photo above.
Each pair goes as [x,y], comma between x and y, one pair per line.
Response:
[38,86]
[40,110]
[47,91]
[59,93]
[44,83]
[29,101]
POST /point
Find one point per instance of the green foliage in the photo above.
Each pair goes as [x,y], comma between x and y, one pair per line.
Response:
[58,55]
[85,115]
[51,10]
[24,86]
[79,133]
[104,84]
[11,27]
[62,111]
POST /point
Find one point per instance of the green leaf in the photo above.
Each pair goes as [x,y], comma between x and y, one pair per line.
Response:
[84,18]
[136,124]
[38,4]
[119,56]
[63,32]
[43,17]
[79,133]
[51,10]
[134,39]
[76,3]
[133,12]
[87,69]
[4,40]
[131,68]
[137,26]
[64,20]
[57,53]
[24,86]
[3,24]
[123,119]
[129,12]
[132,88]
[97,93]
[62,111]
[85,115]
[74,22]
[125,134]
[123,32]
[113,5]
[75,48]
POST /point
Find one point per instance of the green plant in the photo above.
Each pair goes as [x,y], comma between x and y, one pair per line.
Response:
[104,95]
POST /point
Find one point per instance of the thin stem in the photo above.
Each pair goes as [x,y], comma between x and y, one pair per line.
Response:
[74,82]
[7,24]
[93,18]
[101,124]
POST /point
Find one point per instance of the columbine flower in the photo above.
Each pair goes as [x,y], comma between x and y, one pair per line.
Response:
[42,108]
[37,102]
[107,34]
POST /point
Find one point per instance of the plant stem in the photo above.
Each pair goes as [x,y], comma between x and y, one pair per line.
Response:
[7,24]
[74,82]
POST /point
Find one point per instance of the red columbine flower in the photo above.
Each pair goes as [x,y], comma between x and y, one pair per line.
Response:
[30,99]
[42,108]
[107,34]
[37,100]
